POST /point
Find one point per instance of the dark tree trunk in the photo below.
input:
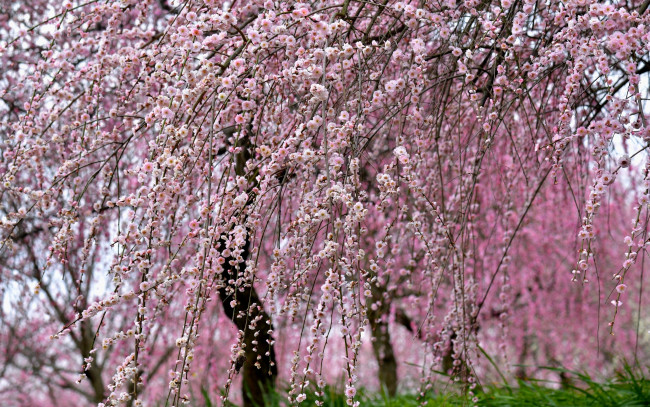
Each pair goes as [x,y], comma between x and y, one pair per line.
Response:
[381,344]
[385,356]
[520,373]
[259,368]
[94,374]
[461,371]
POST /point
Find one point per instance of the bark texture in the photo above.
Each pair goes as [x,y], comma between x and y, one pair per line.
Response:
[259,368]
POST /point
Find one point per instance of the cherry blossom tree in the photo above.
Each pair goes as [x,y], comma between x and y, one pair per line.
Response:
[226,197]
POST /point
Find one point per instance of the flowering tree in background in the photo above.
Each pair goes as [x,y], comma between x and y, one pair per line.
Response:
[222,197]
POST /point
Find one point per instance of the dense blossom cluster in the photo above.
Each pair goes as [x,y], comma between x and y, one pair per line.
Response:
[200,193]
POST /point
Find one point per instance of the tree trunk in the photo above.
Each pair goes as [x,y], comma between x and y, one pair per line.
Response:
[385,356]
[94,374]
[461,371]
[259,368]
[381,345]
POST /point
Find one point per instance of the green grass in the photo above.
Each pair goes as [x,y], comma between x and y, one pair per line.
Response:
[628,388]
[334,397]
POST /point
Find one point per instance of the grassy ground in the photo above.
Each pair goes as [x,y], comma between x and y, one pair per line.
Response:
[630,388]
